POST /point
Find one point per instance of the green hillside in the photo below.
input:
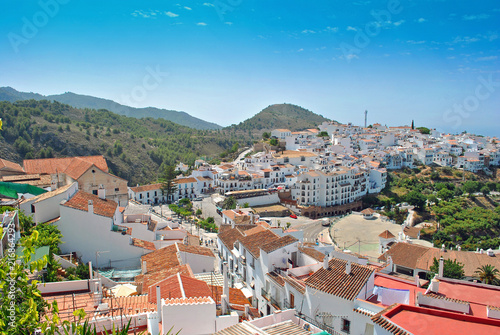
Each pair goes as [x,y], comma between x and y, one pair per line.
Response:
[134,148]
[86,101]
[286,116]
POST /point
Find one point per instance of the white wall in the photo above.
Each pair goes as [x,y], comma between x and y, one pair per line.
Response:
[180,316]
[259,201]
[87,233]
[47,209]
[198,263]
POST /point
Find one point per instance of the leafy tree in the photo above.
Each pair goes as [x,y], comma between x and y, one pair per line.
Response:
[266,135]
[471,186]
[81,271]
[485,190]
[229,203]
[445,194]
[488,274]
[416,199]
[323,134]
[21,301]
[198,212]
[168,187]
[424,130]
[273,141]
[451,269]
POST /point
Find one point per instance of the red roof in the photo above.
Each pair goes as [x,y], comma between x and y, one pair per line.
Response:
[386,234]
[419,320]
[337,282]
[143,244]
[145,188]
[179,286]
[72,166]
[8,165]
[103,207]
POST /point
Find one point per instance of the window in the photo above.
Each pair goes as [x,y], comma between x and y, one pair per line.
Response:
[117,189]
[32,208]
[94,192]
[346,326]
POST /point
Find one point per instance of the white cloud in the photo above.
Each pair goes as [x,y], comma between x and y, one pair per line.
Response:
[228,23]
[451,57]
[475,17]
[187,8]
[170,14]
[421,20]
[352,28]
[415,42]
[488,58]
[332,29]
[398,23]
[208,4]
[352,56]
[307,31]
[300,50]
[201,24]
[465,39]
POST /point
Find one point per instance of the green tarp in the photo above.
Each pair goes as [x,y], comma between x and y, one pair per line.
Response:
[39,253]
[11,190]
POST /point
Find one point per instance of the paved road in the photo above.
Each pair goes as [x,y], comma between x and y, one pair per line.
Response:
[208,209]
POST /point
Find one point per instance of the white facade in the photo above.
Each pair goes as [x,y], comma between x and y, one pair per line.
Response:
[45,207]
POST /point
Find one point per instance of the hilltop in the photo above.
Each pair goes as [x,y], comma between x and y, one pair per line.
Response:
[86,101]
[276,116]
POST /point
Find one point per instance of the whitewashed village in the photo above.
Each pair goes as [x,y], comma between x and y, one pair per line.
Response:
[300,253]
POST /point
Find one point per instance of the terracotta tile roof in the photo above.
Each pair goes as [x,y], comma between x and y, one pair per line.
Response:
[317,255]
[335,281]
[368,211]
[179,286]
[413,232]
[386,234]
[30,179]
[47,195]
[198,250]
[144,281]
[443,297]
[254,242]
[73,164]
[228,235]
[380,320]
[160,259]
[297,284]
[145,188]
[278,243]
[131,305]
[185,180]
[11,166]
[235,295]
[405,254]
[103,207]
[255,230]
[275,277]
[189,301]
[143,244]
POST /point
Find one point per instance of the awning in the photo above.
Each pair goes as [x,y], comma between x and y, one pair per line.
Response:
[247,292]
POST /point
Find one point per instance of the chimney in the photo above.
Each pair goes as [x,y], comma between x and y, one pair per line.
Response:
[441,267]
[144,267]
[101,192]
[325,262]
[223,302]
[91,275]
[434,285]
[247,310]
[158,302]
[417,280]
[348,268]
[91,207]
[233,224]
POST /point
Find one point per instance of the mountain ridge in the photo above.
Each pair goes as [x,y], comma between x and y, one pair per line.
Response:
[87,101]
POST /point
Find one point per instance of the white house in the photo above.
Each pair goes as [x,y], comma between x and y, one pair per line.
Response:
[45,207]
[88,225]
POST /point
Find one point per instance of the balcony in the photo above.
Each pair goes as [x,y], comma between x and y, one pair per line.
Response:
[265,294]
[320,325]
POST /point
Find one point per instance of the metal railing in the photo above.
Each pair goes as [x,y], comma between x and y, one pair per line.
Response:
[320,325]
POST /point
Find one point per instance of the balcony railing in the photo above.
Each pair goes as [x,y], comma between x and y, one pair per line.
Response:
[320,325]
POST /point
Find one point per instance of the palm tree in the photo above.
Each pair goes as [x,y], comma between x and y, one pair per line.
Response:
[488,274]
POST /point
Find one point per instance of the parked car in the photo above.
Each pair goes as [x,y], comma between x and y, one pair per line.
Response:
[197,199]
[293,216]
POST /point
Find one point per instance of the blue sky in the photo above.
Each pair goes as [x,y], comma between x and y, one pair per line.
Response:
[223,61]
